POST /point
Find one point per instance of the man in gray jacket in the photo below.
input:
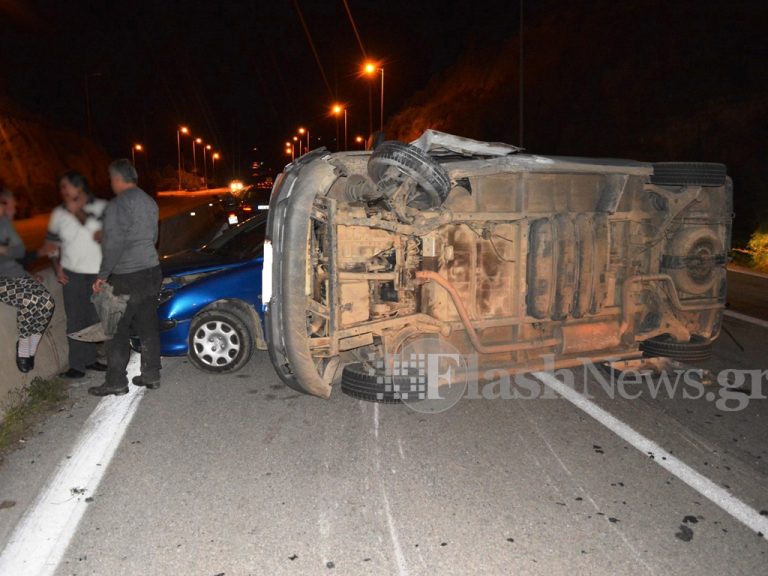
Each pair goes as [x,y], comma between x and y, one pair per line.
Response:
[131,265]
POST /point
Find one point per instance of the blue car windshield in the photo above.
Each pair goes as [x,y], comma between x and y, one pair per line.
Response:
[242,242]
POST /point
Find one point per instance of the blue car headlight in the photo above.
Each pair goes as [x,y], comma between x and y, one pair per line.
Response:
[165,295]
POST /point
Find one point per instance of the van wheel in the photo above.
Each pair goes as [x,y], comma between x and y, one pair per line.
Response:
[688,174]
[219,342]
[432,179]
[695,260]
[698,349]
[359,382]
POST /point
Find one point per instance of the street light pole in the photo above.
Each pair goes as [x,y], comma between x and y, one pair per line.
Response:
[179,132]
[382,99]
[302,131]
[134,149]
[336,111]
[370,109]
[370,68]
[205,165]
[215,156]
[194,155]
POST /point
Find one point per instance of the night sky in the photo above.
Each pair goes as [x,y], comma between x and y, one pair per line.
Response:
[240,74]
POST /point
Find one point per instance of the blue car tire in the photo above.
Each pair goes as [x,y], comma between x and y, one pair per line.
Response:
[219,341]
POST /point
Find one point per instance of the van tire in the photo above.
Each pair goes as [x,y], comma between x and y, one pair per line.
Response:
[358,382]
[432,179]
[688,174]
[698,349]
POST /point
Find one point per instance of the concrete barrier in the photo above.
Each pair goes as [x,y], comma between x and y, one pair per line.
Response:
[52,355]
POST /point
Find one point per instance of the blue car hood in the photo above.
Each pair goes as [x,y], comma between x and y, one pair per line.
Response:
[195,262]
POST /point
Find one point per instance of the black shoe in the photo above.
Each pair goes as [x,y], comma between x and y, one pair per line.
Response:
[108,389]
[150,384]
[97,367]
[24,364]
[72,374]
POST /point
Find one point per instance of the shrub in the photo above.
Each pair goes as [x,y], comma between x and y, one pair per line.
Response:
[758,246]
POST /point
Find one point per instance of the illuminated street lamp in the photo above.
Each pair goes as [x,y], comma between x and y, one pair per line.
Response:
[369,69]
[134,149]
[205,165]
[336,110]
[302,131]
[179,132]
[290,147]
[360,140]
[194,156]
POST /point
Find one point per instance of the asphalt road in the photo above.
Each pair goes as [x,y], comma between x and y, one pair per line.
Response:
[239,475]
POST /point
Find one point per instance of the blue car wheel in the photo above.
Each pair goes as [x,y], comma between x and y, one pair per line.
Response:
[219,341]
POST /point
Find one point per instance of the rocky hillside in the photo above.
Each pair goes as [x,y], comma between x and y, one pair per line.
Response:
[644,79]
[34,154]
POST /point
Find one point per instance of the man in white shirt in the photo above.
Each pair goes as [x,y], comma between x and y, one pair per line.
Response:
[73,243]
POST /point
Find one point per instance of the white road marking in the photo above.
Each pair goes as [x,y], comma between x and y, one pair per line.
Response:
[402,565]
[745,318]
[43,534]
[717,495]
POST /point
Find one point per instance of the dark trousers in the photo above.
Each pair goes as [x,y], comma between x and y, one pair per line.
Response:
[80,314]
[140,319]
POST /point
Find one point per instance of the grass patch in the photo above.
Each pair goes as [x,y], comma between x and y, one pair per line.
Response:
[25,406]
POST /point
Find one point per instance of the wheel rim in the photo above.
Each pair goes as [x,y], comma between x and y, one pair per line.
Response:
[216,344]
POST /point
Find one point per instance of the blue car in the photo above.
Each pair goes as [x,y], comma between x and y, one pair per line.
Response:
[210,301]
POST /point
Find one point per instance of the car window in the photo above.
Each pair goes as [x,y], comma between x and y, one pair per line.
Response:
[257,196]
[244,241]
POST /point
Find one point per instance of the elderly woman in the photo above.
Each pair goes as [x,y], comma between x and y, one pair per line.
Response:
[32,300]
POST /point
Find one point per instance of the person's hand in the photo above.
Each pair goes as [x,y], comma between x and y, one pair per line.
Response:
[39,278]
[98,285]
[97,236]
[49,249]
[61,276]
[3,250]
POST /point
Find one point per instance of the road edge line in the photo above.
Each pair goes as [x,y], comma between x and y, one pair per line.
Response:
[703,485]
[43,534]
[745,318]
